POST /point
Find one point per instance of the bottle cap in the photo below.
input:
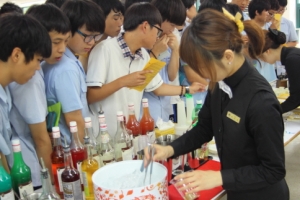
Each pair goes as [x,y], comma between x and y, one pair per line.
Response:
[55,132]
[73,127]
[73,123]
[16,145]
[199,102]
[145,100]
[119,113]
[130,104]
[88,122]
[120,116]
[103,127]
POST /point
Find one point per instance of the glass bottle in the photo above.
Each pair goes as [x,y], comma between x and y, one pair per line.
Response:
[95,145]
[88,167]
[197,110]
[101,119]
[106,151]
[77,149]
[70,178]
[20,172]
[6,192]
[132,123]
[123,141]
[48,192]
[57,160]
[147,122]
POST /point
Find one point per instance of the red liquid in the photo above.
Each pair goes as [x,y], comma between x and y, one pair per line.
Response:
[147,125]
[133,125]
[78,155]
[57,160]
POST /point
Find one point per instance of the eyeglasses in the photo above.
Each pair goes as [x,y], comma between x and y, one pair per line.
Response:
[88,38]
[159,30]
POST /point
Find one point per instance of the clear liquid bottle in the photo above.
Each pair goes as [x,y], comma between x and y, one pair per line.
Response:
[77,149]
[95,145]
[88,167]
[20,172]
[57,160]
[107,151]
[123,140]
[6,192]
[70,177]
[48,191]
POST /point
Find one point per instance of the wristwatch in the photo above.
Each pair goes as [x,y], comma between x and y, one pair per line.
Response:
[187,90]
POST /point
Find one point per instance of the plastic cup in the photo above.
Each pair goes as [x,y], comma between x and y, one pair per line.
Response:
[183,193]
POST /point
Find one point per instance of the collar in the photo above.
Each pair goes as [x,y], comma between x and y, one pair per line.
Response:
[125,49]
[5,96]
[234,79]
[70,55]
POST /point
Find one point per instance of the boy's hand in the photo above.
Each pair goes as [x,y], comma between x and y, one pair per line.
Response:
[135,79]
[173,42]
[161,45]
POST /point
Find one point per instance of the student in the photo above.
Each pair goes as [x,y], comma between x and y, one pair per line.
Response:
[243,113]
[287,26]
[114,16]
[28,126]
[259,12]
[274,7]
[115,65]
[166,49]
[243,4]
[234,9]
[24,43]
[9,7]
[290,58]
[191,11]
[65,80]
[57,3]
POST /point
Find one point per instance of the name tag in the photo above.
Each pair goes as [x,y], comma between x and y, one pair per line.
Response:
[233,117]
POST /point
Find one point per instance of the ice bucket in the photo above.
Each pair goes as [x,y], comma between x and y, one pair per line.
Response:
[106,188]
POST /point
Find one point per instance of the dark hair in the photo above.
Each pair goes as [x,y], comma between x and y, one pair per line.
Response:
[210,34]
[274,39]
[9,7]
[234,9]
[51,17]
[128,3]
[188,3]
[57,3]
[84,12]
[213,4]
[274,5]
[110,5]
[24,32]
[282,3]
[140,12]
[172,11]
[259,6]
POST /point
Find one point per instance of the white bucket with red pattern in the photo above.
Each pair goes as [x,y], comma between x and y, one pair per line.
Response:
[105,187]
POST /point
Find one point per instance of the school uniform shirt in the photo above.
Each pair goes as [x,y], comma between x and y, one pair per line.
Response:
[246,16]
[29,106]
[5,129]
[248,130]
[108,61]
[65,83]
[290,58]
[159,105]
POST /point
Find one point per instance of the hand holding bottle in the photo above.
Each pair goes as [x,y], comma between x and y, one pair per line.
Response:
[161,153]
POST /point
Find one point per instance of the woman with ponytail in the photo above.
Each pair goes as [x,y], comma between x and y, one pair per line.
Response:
[274,50]
[241,112]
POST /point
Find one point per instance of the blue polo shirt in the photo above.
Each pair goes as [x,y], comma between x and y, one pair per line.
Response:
[29,107]
[65,83]
[5,129]
[289,30]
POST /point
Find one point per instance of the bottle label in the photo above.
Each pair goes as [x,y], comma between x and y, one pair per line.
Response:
[127,154]
[59,171]
[25,189]
[7,196]
[85,184]
[72,190]
[145,104]
[105,138]
[80,171]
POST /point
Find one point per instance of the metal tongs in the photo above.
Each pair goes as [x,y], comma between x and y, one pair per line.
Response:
[151,152]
